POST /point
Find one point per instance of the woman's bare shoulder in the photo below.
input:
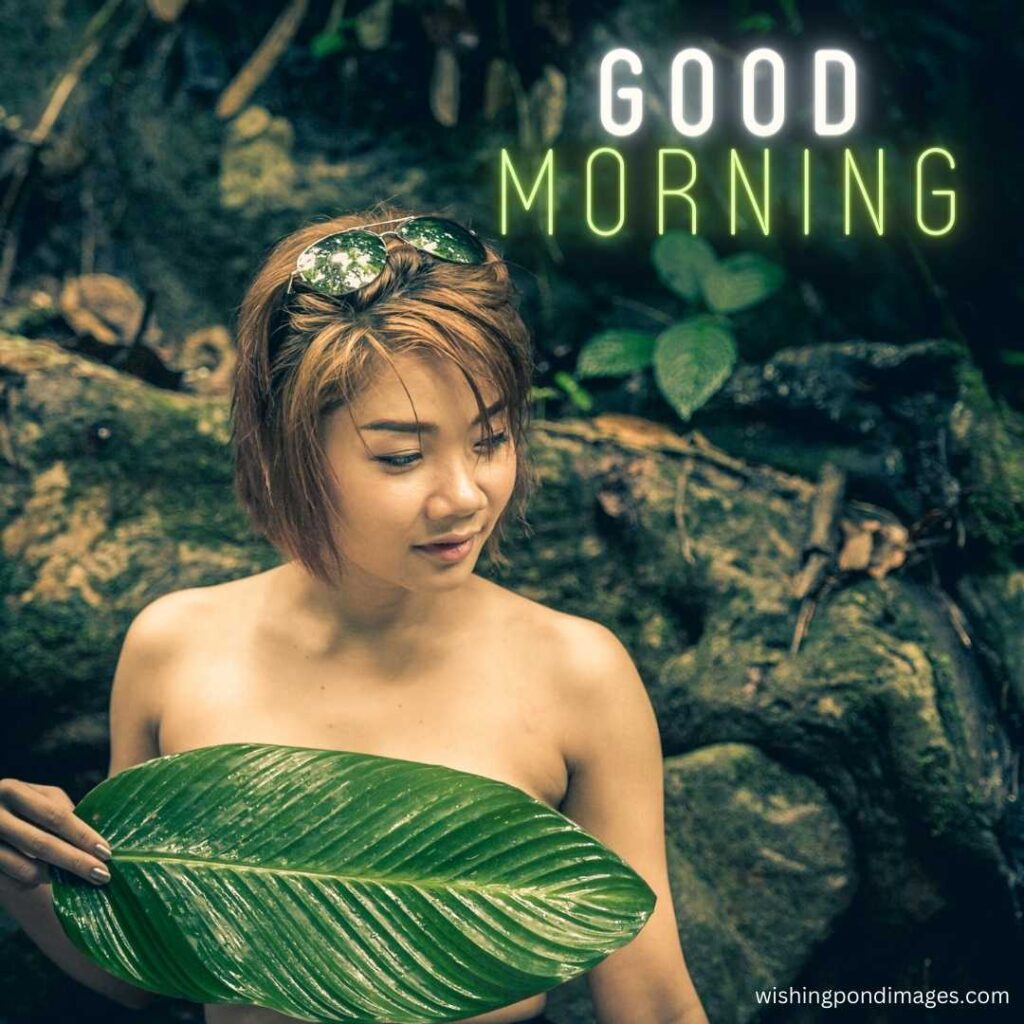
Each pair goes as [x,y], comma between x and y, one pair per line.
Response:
[571,639]
[507,608]
[179,614]
[168,633]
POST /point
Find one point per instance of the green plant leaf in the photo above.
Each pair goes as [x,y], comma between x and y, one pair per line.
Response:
[681,260]
[741,281]
[326,43]
[335,886]
[761,22]
[615,353]
[795,22]
[579,396]
[692,360]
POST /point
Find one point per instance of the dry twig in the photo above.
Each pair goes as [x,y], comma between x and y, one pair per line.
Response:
[819,551]
[679,510]
[806,614]
[258,67]
[25,156]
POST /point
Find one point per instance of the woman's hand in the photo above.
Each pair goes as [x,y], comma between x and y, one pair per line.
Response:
[38,827]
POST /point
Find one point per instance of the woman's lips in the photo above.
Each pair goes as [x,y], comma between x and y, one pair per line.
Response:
[448,552]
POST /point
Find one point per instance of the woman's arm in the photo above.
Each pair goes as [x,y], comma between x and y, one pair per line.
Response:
[616,793]
[33,910]
[145,653]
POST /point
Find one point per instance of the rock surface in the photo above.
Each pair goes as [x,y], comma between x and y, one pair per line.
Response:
[822,799]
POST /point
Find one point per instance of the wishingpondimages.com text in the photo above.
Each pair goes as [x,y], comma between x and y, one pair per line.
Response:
[930,998]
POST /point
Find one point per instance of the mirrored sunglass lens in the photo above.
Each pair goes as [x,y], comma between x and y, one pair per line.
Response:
[444,239]
[342,263]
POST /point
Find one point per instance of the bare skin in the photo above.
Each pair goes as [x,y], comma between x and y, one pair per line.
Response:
[411,657]
[485,706]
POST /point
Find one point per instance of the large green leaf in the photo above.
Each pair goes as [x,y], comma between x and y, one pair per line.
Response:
[335,886]
[681,260]
[740,281]
[692,360]
[614,353]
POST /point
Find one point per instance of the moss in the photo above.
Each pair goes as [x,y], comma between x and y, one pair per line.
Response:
[989,438]
[749,840]
[870,708]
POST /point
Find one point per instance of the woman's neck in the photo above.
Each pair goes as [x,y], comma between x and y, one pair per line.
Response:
[366,615]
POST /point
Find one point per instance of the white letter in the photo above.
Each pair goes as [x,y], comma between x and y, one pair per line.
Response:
[707,92]
[778,91]
[822,59]
[631,94]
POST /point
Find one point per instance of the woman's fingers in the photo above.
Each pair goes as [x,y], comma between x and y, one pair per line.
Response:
[55,792]
[51,808]
[24,872]
[41,825]
[37,845]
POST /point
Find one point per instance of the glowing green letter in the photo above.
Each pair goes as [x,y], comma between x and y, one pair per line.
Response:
[935,192]
[807,191]
[547,167]
[736,170]
[850,167]
[662,191]
[590,191]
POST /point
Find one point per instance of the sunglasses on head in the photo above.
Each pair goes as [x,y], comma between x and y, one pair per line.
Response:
[349,260]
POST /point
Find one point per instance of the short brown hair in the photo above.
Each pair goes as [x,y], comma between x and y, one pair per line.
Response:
[303,354]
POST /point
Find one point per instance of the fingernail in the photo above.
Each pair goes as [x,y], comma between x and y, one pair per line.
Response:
[102,851]
[100,875]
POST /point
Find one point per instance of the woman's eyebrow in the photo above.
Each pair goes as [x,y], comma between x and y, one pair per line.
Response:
[404,427]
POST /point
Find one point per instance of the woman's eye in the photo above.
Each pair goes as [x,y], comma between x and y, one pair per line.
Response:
[500,438]
[398,460]
[404,461]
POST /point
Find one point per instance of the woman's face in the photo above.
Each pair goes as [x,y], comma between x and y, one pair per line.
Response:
[397,494]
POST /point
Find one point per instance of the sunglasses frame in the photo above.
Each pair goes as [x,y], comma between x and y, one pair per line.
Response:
[381,234]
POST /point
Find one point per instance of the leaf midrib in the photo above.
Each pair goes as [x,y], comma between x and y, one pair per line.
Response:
[144,857]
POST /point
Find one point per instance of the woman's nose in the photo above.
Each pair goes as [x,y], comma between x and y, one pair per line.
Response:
[456,489]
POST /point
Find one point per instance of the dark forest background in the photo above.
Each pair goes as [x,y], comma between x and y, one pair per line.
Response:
[137,155]
[868,418]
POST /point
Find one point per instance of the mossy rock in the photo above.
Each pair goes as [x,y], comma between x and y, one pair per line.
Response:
[913,426]
[114,492]
[749,841]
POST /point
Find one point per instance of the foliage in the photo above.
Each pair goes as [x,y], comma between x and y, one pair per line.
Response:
[415,892]
[693,358]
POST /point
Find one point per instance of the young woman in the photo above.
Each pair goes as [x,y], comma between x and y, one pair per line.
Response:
[380,404]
